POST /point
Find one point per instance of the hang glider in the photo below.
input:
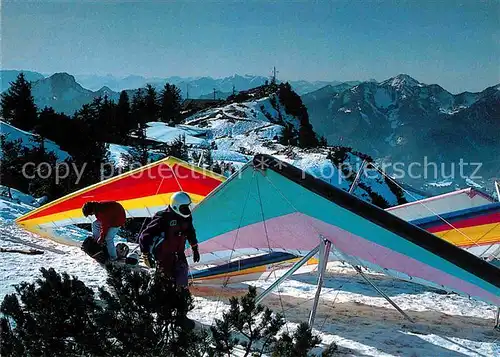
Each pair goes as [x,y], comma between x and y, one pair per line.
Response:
[475,229]
[252,268]
[271,206]
[468,218]
[142,192]
[441,204]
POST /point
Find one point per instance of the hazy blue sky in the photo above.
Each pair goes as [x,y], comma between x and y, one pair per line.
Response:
[453,43]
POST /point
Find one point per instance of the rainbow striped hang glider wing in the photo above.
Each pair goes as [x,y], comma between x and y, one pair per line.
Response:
[467,218]
[476,229]
[272,206]
[142,192]
[441,204]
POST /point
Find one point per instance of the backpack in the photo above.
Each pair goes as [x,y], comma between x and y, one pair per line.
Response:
[95,250]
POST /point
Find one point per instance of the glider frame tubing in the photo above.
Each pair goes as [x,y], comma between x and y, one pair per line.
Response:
[289,272]
[360,272]
[324,247]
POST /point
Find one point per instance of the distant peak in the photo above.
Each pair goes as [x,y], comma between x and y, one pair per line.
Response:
[62,77]
[402,80]
[105,89]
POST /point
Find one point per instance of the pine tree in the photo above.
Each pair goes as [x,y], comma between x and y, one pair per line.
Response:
[18,105]
[56,126]
[138,155]
[307,136]
[196,157]
[108,121]
[288,135]
[258,326]
[300,343]
[151,107]
[53,316]
[123,117]
[139,314]
[207,159]
[170,111]
[242,317]
[11,163]
[216,167]
[137,109]
[177,148]
[89,149]
[294,106]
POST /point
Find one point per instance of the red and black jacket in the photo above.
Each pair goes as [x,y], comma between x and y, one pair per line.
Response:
[109,214]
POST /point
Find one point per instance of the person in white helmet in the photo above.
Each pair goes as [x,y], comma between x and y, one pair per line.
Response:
[163,241]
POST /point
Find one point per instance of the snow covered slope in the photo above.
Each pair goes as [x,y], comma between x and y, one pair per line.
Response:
[161,132]
[12,133]
[238,131]
[350,313]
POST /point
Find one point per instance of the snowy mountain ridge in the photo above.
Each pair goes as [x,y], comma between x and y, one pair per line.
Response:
[389,119]
[241,130]
[64,94]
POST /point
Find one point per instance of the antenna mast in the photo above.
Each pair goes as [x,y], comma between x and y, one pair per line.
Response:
[273,80]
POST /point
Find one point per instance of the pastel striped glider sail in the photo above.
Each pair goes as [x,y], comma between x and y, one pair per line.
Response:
[142,192]
[272,206]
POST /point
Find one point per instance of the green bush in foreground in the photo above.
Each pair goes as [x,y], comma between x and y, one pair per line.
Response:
[136,314]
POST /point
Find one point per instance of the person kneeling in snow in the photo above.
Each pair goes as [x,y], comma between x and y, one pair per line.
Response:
[164,239]
[110,216]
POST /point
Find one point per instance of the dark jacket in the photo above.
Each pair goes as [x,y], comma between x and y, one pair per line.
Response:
[165,237]
[109,214]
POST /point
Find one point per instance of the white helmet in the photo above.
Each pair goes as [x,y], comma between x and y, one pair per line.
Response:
[180,203]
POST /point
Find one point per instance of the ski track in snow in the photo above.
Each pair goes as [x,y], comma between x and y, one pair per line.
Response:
[350,312]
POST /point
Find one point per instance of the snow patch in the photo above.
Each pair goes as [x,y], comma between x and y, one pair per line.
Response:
[472,183]
[27,139]
[161,132]
[115,153]
[443,183]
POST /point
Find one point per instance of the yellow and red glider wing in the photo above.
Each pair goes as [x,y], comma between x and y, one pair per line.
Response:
[142,192]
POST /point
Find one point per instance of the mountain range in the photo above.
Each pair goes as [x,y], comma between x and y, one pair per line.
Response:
[61,92]
[404,120]
[192,87]
[399,120]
